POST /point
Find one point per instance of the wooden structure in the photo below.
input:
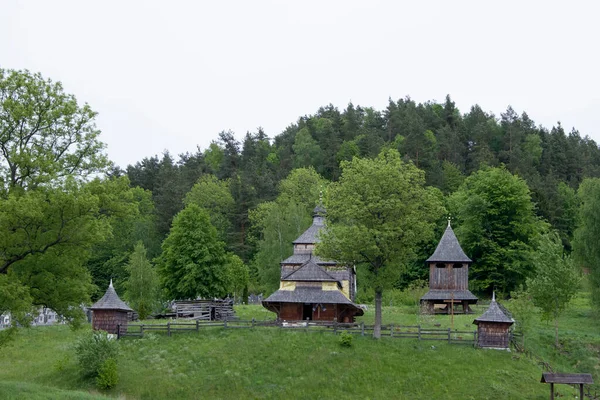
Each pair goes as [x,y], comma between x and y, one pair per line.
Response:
[311,288]
[448,277]
[207,310]
[110,312]
[493,327]
[569,379]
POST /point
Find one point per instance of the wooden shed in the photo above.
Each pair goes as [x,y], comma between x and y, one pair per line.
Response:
[448,277]
[493,327]
[110,312]
[311,288]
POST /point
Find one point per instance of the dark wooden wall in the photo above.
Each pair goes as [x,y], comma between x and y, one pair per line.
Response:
[449,277]
[493,334]
[107,320]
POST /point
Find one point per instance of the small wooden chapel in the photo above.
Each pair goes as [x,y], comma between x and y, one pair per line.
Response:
[311,288]
[448,277]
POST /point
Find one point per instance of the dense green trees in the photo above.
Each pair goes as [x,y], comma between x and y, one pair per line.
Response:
[586,245]
[378,213]
[497,228]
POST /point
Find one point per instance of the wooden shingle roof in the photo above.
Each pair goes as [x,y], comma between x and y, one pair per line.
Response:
[311,235]
[110,301]
[494,314]
[310,271]
[448,249]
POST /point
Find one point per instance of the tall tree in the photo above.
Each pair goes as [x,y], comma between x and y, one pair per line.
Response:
[377,214]
[585,243]
[193,258]
[497,228]
[142,286]
[556,279]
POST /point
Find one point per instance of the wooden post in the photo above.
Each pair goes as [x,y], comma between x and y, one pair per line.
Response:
[142,330]
[334,326]
[448,335]
[253,322]
[392,330]
[362,328]
[118,331]
[169,328]
[225,323]
[419,326]
[452,309]
[552,391]
[197,325]
[581,391]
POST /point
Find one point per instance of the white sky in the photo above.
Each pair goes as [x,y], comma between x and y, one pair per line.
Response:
[170,75]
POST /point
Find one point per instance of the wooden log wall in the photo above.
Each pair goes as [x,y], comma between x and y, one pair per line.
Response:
[109,320]
[449,277]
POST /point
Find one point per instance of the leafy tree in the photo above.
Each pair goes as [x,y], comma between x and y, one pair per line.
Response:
[45,136]
[307,151]
[377,214]
[238,276]
[193,260]
[523,310]
[497,228]
[585,244]
[556,280]
[141,288]
[215,197]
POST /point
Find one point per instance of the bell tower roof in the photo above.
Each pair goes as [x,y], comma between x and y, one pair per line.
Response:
[448,249]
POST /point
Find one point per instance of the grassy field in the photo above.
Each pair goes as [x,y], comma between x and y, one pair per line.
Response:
[270,363]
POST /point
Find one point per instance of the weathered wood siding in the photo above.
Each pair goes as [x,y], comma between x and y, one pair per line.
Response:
[449,277]
[108,320]
[493,334]
[291,312]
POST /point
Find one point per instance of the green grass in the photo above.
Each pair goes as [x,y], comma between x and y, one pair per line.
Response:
[271,363]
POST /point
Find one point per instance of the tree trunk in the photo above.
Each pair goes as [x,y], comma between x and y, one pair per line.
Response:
[377,328]
[556,332]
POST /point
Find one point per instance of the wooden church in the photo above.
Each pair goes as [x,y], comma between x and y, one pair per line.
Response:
[448,277]
[110,312]
[311,288]
[493,327]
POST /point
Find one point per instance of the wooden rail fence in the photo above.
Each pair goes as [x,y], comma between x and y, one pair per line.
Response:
[393,331]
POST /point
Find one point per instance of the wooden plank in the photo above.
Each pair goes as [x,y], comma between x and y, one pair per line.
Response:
[548,377]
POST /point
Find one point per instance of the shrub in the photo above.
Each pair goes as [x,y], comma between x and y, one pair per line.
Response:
[107,377]
[346,339]
[93,349]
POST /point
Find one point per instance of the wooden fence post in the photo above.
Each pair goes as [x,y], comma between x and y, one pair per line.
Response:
[449,341]
[253,321]
[392,330]
[118,331]
[142,330]
[334,326]
[197,325]
[225,323]
[362,328]
[169,328]
[419,326]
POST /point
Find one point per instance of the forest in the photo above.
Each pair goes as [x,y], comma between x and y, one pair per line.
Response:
[217,221]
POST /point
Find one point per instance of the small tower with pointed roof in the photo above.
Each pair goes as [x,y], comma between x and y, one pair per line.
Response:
[448,277]
[110,312]
[493,327]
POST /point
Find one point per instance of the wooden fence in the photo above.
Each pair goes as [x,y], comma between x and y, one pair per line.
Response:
[393,331]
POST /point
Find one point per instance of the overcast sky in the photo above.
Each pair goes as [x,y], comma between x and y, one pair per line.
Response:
[170,75]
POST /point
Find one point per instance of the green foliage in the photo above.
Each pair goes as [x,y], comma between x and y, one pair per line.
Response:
[193,258]
[214,195]
[345,339]
[586,249]
[524,312]
[45,135]
[307,151]
[378,213]
[107,375]
[497,228]
[142,286]
[93,349]
[238,275]
[556,279]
